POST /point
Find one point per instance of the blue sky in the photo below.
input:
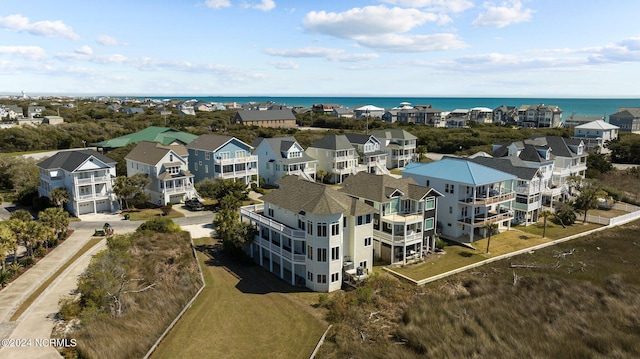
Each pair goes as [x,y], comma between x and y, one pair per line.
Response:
[519,48]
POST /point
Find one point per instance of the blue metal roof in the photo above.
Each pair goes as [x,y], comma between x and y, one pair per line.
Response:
[458,170]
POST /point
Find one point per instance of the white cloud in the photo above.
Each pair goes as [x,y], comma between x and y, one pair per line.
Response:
[217,4]
[84,50]
[453,6]
[29,52]
[413,43]
[264,5]
[46,28]
[107,40]
[366,21]
[285,65]
[507,13]
[330,54]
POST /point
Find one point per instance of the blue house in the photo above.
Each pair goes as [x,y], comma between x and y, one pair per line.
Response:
[226,157]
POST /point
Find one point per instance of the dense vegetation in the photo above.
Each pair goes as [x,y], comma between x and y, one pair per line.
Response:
[580,299]
[131,292]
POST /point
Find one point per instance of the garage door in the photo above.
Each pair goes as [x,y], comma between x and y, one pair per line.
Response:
[176,198]
[103,206]
[85,208]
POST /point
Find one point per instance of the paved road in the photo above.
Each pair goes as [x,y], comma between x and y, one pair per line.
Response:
[38,321]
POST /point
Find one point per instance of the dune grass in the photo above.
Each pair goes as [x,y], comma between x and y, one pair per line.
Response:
[151,213]
[243,312]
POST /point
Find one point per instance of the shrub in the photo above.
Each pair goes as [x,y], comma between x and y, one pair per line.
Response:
[27,262]
[159,225]
[440,243]
[40,252]
[166,209]
[69,309]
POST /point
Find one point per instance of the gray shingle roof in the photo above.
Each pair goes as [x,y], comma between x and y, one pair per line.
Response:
[333,142]
[211,142]
[394,133]
[152,152]
[71,160]
[297,195]
[510,165]
[378,187]
[267,115]
[280,145]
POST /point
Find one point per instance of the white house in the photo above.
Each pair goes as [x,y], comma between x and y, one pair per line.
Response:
[399,144]
[369,111]
[404,224]
[311,235]
[168,169]
[596,135]
[373,159]
[86,174]
[282,156]
[474,196]
[336,156]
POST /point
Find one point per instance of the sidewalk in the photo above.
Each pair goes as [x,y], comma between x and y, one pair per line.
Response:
[19,290]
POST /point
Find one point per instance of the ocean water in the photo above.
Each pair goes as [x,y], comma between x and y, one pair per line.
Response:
[601,107]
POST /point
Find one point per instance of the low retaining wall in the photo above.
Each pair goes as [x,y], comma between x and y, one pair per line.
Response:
[614,222]
[184,310]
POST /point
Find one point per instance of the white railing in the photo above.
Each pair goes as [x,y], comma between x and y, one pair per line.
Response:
[233,161]
[398,239]
[82,197]
[91,179]
[250,212]
[176,189]
[382,168]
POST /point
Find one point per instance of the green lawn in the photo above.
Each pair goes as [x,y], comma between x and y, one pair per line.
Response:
[506,242]
[244,312]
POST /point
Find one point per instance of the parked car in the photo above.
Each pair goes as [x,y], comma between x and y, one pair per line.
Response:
[194,205]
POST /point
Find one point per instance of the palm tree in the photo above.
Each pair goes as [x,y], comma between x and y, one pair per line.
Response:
[7,243]
[490,227]
[38,234]
[421,151]
[544,215]
[55,218]
[321,174]
[59,196]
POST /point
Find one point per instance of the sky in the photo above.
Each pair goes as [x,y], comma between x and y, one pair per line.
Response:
[449,48]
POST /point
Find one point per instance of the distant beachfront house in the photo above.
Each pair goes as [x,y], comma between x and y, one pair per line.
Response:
[342,112]
[225,157]
[458,118]
[399,144]
[539,116]
[132,110]
[267,118]
[369,111]
[596,135]
[505,114]
[573,120]
[86,174]
[162,135]
[474,196]
[283,156]
[481,115]
[35,111]
[53,120]
[168,169]
[627,119]
[427,115]
[311,235]
[404,224]
[323,108]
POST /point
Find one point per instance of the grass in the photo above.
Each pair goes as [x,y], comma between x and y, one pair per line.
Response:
[151,213]
[243,312]
[555,231]
[577,299]
[27,303]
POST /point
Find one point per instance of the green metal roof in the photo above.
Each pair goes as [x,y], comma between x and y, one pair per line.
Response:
[163,135]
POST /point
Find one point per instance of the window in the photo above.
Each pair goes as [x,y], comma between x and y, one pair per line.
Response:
[301,224]
[322,278]
[430,204]
[310,276]
[207,156]
[344,222]
[241,154]
[270,212]
[335,253]
[450,210]
[200,163]
[446,188]
[322,230]
[366,219]
[363,264]
[195,152]
[335,277]
[195,166]
[335,229]
[367,241]
[309,252]
[322,255]
[428,223]
[451,189]
[309,228]
[206,168]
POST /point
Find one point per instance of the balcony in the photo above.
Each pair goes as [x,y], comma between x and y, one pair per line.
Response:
[233,161]
[415,217]
[91,196]
[282,252]
[93,179]
[491,217]
[490,199]
[253,213]
[178,189]
[398,239]
[235,174]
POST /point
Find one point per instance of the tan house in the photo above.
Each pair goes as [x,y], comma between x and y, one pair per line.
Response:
[268,118]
